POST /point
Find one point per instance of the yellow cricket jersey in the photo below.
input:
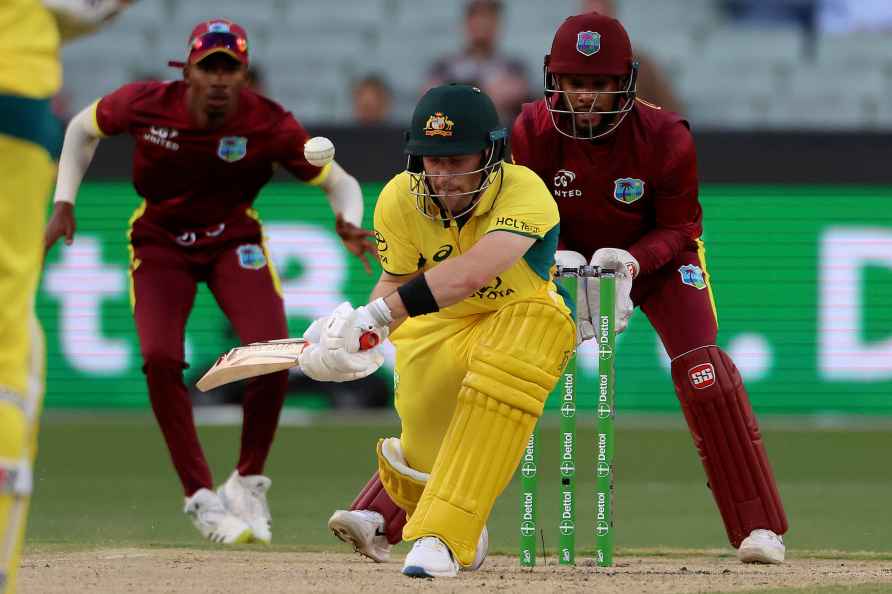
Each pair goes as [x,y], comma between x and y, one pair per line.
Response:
[29,50]
[30,74]
[517,201]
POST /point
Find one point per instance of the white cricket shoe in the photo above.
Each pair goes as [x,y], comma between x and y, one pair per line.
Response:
[430,557]
[364,530]
[482,552]
[213,521]
[245,497]
[762,546]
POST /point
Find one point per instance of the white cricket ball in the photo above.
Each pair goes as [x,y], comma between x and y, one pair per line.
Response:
[319,151]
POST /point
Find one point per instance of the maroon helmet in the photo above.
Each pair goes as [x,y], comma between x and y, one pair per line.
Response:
[597,45]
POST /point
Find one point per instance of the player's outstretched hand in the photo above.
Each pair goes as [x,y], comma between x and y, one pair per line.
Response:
[62,223]
[359,241]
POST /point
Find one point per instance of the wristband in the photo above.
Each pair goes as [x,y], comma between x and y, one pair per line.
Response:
[417,297]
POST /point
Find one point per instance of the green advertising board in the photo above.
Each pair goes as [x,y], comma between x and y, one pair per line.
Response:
[802,278]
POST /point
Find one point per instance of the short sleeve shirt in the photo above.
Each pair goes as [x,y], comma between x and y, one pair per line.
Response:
[195,176]
[516,202]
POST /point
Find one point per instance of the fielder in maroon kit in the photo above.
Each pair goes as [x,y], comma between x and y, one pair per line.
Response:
[624,175]
[205,146]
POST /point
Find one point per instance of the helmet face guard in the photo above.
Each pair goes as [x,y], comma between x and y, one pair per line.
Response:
[563,116]
[590,44]
[433,205]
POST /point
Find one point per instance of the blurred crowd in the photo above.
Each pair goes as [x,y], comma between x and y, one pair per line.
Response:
[482,61]
[372,97]
[815,16]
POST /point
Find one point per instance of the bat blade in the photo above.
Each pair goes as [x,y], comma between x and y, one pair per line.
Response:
[259,358]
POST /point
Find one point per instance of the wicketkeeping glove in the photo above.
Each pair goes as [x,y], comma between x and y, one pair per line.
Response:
[584,328]
[626,267]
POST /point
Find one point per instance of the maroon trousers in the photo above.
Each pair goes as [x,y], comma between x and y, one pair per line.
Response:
[681,312]
[677,301]
[166,269]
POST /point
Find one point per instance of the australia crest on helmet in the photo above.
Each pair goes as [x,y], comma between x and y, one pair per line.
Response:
[438,124]
[588,43]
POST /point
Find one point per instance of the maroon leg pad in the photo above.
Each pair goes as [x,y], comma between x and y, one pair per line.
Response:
[374,497]
[726,434]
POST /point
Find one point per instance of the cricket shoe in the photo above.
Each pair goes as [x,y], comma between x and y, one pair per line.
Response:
[213,520]
[762,546]
[482,552]
[364,530]
[429,558]
[245,498]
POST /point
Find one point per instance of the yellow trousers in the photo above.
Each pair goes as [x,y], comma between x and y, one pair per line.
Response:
[27,171]
[469,392]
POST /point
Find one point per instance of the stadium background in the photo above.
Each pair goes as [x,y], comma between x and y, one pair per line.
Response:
[793,140]
[794,135]
[803,281]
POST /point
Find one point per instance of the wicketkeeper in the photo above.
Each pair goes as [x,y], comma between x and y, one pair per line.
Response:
[624,175]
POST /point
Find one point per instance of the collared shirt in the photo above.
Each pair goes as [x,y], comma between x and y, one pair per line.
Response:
[192,177]
[517,201]
[636,189]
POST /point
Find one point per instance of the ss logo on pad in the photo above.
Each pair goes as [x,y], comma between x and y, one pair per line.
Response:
[702,376]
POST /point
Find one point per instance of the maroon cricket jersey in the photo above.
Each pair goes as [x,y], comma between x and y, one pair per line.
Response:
[636,189]
[194,178]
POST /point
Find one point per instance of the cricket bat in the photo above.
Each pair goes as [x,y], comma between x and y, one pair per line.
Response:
[262,358]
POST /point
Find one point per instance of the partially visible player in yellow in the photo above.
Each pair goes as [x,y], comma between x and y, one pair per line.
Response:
[467,245]
[30,137]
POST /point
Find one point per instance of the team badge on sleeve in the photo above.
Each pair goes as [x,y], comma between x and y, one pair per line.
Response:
[588,43]
[692,275]
[251,256]
[232,148]
[628,189]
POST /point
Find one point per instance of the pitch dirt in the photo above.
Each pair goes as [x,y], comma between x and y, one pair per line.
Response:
[244,572]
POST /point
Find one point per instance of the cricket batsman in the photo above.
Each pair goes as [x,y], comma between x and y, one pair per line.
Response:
[624,175]
[30,135]
[467,248]
[205,146]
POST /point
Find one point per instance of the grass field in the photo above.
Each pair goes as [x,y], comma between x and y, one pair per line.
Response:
[109,483]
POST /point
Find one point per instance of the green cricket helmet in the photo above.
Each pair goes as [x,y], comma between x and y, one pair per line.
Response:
[453,120]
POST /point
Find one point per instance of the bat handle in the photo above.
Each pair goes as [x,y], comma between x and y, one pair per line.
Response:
[368,340]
